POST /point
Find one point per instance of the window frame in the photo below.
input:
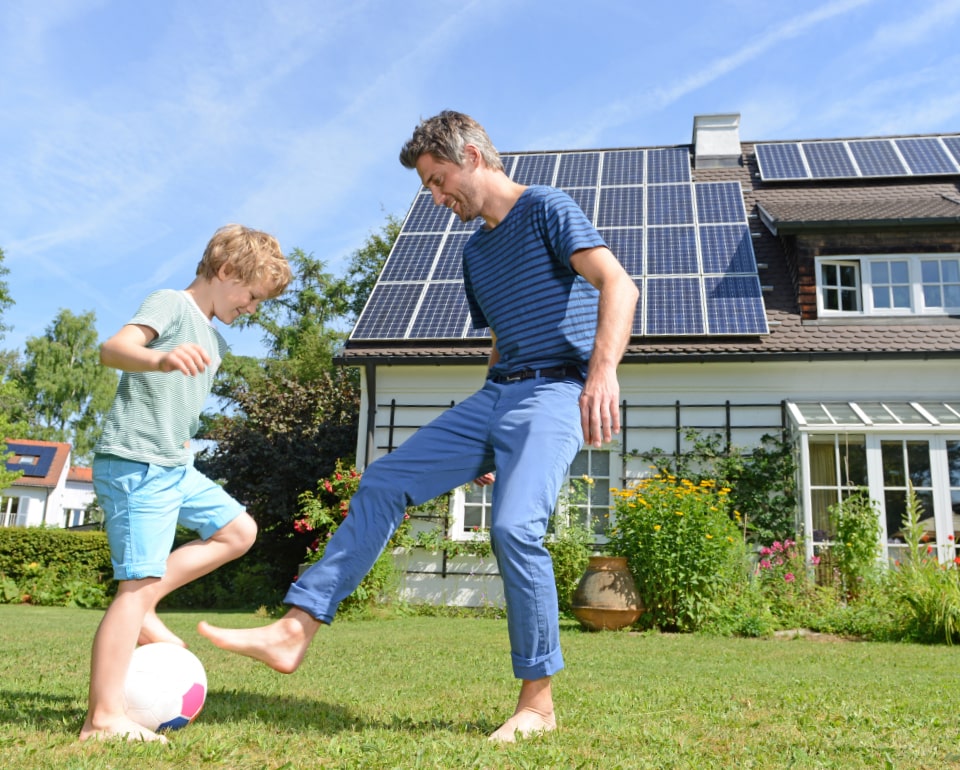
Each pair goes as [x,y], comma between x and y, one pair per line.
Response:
[867,287]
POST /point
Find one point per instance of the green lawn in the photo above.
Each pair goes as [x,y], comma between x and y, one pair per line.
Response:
[424,692]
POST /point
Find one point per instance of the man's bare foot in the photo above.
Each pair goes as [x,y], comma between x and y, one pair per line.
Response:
[123,728]
[282,645]
[155,630]
[525,723]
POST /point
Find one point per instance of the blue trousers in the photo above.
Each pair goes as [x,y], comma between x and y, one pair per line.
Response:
[528,432]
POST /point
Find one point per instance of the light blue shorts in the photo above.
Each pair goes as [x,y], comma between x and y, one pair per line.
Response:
[143,504]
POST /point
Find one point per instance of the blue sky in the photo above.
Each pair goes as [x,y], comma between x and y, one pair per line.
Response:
[131,131]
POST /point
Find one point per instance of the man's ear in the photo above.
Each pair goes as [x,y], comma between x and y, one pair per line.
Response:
[472,155]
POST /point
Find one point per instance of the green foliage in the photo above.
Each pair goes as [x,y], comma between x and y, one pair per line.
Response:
[55,567]
[285,436]
[66,388]
[6,301]
[683,545]
[570,546]
[854,552]
[786,582]
[322,511]
[929,590]
[762,480]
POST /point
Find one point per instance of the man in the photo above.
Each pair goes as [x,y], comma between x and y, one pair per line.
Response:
[560,309]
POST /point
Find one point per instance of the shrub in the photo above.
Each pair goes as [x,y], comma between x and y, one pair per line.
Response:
[570,548]
[929,590]
[856,521]
[683,546]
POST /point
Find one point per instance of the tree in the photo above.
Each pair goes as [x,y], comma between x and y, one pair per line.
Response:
[6,301]
[286,435]
[65,387]
[367,262]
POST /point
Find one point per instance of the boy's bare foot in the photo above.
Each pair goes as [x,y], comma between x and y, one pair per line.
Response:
[282,645]
[155,630]
[123,728]
[525,723]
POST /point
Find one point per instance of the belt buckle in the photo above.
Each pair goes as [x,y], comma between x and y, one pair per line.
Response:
[515,377]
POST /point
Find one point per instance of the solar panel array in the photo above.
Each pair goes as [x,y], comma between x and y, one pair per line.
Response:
[41,456]
[859,158]
[687,246]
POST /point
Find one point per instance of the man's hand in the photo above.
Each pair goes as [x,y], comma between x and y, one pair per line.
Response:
[485,480]
[600,407]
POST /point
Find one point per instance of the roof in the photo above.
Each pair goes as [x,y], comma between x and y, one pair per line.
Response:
[898,214]
[80,475]
[42,462]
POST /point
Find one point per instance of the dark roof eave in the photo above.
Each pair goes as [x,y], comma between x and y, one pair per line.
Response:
[634,356]
[861,224]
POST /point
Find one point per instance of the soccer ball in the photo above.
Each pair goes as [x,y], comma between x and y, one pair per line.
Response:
[166,686]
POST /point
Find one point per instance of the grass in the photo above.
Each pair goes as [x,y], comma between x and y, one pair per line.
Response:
[423,692]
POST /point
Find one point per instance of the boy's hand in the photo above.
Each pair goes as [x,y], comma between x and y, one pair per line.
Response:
[189,358]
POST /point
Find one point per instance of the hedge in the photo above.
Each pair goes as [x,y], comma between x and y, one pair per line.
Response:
[59,551]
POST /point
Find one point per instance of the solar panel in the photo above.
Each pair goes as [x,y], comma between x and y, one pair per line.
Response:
[668,165]
[780,161]
[877,157]
[686,245]
[674,306]
[535,169]
[953,144]
[671,250]
[926,156]
[627,246]
[411,258]
[426,217]
[443,314]
[720,202]
[620,207]
[907,156]
[578,169]
[733,304]
[828,159]
[669,205]
[40,458]
[388,311]
[622,167]
[727,249]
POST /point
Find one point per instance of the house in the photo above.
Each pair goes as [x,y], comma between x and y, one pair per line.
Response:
[50,493]
[806,288]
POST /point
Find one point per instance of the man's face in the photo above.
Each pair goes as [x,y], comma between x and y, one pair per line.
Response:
[451,185]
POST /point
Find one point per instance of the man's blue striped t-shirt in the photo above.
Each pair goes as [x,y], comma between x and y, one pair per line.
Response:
[520,283]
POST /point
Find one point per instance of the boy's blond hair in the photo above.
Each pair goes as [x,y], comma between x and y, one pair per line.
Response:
[250,256]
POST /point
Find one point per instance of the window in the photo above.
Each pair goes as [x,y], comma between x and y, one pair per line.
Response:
[587,494]
[586,497]
[9,507]
[838,467]
[906,463]
[840,286]
[889,285]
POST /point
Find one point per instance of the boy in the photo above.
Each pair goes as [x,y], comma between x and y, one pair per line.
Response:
[143,468]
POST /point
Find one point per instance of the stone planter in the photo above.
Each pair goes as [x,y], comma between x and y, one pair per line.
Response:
[606,597]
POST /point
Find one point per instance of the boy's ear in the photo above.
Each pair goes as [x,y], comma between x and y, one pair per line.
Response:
[225,271]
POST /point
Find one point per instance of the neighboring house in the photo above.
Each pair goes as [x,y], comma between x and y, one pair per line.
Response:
[49,493]
[806,289]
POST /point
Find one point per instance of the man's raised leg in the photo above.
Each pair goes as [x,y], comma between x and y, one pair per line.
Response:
[282,645]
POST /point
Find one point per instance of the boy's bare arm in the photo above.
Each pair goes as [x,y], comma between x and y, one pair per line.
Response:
[127,350]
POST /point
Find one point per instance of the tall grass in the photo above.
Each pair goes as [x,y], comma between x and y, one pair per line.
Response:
[424,692]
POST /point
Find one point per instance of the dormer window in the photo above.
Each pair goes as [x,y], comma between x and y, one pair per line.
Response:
[882,285]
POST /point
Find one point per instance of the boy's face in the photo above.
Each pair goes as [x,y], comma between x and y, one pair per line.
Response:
[234,298]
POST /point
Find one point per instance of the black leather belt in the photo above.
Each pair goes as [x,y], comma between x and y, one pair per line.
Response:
[554,372]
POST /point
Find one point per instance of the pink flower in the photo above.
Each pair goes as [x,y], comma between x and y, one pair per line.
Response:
[765,551]
[789,577]
[765,564]
[815,560]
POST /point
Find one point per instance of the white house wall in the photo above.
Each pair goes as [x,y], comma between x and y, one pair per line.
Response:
[423,392]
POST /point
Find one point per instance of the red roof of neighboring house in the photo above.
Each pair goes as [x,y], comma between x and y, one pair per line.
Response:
[41,461]
[84,475]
